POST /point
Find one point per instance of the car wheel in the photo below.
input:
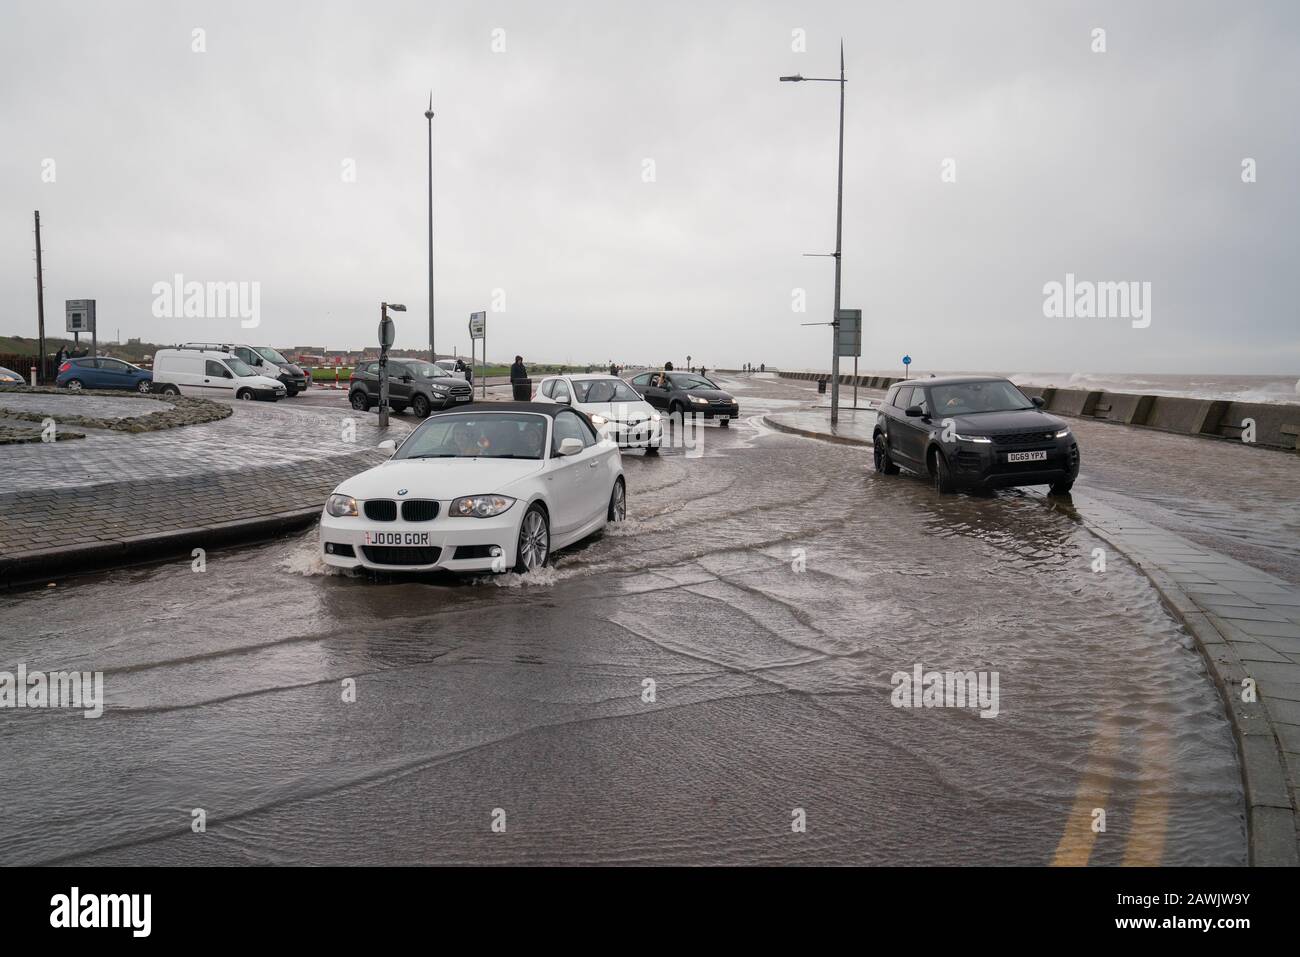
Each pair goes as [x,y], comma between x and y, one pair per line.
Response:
[360,401]
[884,464]
[943,483]
[244,394]
[534,541]
[420,406]
[170,390]
[1061,488]
[617,501]
[399,409]
[74,385]
[652,450]
[725,423]
[142,387]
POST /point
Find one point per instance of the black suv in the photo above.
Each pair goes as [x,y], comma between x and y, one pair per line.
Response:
[420,385]
[973,431]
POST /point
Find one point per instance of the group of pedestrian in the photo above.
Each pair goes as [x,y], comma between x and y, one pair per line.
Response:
[749,367]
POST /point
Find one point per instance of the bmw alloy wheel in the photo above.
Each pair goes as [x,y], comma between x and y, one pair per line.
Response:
[534,541]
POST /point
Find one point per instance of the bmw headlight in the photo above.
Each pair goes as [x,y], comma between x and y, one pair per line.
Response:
[1063,433]
[480,506]
[697,400]
[341,506]
[973,438]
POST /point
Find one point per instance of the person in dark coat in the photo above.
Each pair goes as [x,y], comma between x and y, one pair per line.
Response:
[668,367]
[518,370]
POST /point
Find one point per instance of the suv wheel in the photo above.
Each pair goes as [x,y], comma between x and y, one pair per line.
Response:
[360,401]
[884,464]
[943,483]
[1061,488]
[420,406]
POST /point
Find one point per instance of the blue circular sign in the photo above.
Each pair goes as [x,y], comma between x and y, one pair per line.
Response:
[907,360]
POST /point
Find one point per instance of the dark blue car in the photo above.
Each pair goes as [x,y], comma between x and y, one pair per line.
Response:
[90,372]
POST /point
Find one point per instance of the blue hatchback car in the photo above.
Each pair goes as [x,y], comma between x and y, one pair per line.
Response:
[90,372]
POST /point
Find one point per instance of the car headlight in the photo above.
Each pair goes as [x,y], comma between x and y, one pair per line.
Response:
[341,506]
[654,417]
[480,506]
[1063,433]
[973,438]
[599,420]
[697,400]
[438,387]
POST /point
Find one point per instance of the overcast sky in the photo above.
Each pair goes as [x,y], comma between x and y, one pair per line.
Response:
[228,165]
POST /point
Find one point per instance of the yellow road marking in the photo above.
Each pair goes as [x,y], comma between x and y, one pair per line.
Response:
[1076,843]
[1146,838]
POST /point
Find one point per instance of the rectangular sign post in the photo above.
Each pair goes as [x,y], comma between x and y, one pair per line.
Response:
[849,334]
[478,330]
[81,318]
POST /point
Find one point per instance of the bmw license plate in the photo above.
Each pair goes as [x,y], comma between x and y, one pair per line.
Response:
[397,538]
[1040,456]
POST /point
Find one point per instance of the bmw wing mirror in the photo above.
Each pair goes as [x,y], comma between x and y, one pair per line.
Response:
[388,446]
[570,446]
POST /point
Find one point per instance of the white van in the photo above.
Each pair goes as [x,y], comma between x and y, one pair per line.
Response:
[210,374]
[263,360]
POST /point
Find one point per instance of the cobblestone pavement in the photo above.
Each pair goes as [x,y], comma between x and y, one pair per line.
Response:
[257,435]
[94,406]
[264,460]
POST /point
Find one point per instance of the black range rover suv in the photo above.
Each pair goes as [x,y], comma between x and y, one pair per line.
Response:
[973,432]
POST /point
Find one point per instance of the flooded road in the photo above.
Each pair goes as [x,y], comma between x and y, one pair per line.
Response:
[681,689]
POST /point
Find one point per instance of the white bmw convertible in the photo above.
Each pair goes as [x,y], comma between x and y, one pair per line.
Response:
[493,488]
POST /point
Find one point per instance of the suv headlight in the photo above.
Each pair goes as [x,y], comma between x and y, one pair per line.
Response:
[972,438]
[438,387]
[1063,433]
[341,506]
[480,506]
[697,400]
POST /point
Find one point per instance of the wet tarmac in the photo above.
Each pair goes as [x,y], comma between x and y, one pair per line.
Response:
[770,589]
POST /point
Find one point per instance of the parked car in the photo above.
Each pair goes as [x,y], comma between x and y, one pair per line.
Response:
[263,360]
[488,488]
[101,372]
[412,383]
[613,406]
[973,431]
[686,393]
[10,377]
[449,365]
[211,374]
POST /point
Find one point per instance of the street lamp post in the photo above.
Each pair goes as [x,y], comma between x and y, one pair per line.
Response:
[839,231]
[428,115]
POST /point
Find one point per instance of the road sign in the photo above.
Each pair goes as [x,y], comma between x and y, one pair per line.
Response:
[386,332]
[478,325]
[80,315]
[850,331]
[907,360]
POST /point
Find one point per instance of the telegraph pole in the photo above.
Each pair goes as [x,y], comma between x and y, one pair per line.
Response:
[40,307]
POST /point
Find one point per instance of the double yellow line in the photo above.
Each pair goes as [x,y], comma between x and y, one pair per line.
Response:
[1146,833]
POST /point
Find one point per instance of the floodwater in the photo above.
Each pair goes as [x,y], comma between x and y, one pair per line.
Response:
[688,688]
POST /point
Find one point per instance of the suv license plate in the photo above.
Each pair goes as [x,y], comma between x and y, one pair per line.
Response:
[1027,456]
